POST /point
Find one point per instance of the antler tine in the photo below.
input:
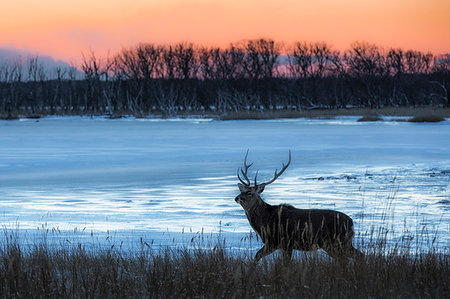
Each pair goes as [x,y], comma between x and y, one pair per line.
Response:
[245,183]
[245,162]
[244,172]
[256,184]
[277,175]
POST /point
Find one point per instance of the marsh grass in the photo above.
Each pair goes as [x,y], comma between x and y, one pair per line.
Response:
[209,268]
[370,117]
[426,118]
[367,114]
[320,113]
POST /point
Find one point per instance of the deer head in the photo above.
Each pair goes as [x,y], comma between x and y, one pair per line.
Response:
[250,196]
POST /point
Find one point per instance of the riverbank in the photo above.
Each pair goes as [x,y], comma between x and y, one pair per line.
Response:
[425,112]
[422,114]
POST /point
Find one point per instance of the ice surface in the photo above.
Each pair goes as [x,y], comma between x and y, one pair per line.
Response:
[156,178]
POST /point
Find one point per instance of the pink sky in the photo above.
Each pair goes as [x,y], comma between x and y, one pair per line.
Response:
[65,29]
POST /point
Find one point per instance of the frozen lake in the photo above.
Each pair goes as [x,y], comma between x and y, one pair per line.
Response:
[133,178]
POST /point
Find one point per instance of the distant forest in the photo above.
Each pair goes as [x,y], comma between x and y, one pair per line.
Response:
[250,75]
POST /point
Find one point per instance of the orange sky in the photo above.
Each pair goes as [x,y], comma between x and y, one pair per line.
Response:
[65,28]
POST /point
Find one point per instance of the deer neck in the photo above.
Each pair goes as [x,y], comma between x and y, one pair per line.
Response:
[256,214]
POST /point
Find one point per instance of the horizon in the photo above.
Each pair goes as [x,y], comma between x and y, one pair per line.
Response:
[65,30]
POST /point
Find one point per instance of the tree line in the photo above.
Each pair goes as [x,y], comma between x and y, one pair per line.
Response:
[257,74]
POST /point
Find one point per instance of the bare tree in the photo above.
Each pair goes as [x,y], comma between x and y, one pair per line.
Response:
[247,75]
[395,61]
[148,60]
[417,62]
[207,66]
[365,59]
[95,71]
[300,60]
[168,62]
[128,64]
[322,55]
[186,61]
[260,58]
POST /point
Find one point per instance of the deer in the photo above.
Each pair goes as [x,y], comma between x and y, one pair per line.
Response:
[287,228]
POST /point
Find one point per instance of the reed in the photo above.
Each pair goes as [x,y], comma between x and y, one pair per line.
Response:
[209,268]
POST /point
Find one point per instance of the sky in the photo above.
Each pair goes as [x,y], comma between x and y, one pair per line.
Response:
[65,29]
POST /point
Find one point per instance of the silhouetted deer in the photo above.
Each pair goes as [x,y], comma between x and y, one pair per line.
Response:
[287,228]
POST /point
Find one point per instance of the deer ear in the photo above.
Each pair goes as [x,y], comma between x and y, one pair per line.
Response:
[260,188]
[241,187]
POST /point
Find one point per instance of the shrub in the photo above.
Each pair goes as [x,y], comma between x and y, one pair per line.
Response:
[370,118]
[426,119]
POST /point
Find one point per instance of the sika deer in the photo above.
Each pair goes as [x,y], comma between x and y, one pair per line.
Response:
[287,228]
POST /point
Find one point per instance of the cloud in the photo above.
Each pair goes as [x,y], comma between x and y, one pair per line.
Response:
[11,55]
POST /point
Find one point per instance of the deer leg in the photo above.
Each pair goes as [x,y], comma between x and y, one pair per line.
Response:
[355,253]
[287,254]
[263,252]
[336,252]
[351,251]
[342,254]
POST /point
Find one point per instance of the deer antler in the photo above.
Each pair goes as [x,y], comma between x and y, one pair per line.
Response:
[244,172]
[276,172]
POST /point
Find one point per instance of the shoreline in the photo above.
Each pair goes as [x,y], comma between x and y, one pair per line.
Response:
[333,113]
[427,114]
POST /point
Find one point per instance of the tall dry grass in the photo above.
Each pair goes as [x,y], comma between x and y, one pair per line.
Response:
[213,270]
[368,114]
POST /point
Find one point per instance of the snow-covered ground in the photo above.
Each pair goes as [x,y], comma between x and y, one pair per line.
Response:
[154,179]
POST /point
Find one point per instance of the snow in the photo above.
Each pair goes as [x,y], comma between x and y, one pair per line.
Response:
[154,179]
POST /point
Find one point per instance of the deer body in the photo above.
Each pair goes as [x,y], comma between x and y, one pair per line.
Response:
[288,228]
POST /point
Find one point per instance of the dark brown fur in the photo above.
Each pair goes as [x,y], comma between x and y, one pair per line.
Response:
[287,228]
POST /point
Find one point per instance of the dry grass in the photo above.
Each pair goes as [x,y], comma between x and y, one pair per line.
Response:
[367,113]
[370,117]
[76,272]
[426,118]
[9,117]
